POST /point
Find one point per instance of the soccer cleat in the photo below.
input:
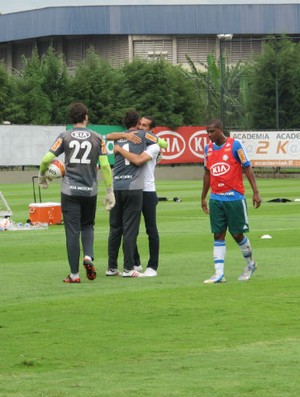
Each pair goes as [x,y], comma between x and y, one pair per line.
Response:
[90,269]
[138,268]
[149,272]
[216,278]
[247,273]
[71,280]
[132,273]
[113,272]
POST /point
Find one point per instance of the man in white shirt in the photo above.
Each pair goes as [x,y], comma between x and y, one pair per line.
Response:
[149,160]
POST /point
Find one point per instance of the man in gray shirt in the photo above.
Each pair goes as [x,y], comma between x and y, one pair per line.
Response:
[128,181]
[83,149]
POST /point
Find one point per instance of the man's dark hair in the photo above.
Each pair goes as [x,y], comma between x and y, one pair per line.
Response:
[216,123]
[77,112]
[152,121]
[131,119]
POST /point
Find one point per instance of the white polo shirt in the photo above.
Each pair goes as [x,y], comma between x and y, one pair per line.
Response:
[153,151]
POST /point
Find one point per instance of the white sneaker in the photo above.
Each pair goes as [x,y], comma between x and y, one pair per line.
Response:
[247,273]
[113,272]
[149,272]
[132,273]
[216,278]
[138,268]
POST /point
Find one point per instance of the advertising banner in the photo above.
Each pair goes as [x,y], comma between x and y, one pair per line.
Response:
[25,145]
[271,148]
[185,145]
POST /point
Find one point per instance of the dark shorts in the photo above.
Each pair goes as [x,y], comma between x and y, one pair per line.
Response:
[231,215]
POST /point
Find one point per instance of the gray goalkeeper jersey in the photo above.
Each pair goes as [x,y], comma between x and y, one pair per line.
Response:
[128,176]
[82,148]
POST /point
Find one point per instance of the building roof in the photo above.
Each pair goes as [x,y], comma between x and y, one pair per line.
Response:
[201,19]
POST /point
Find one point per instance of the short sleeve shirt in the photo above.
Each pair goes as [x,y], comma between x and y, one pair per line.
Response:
[128,176]
[82,148]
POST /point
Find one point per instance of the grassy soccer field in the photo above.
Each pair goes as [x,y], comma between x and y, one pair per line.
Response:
[170,336]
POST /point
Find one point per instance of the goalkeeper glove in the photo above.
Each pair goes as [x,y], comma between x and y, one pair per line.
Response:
[42,181]
[109,200]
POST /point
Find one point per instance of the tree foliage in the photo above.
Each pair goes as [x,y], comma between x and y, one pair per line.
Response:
[4,92]
[276,78]
[232,81]
[55,85]
[35,105]
[101,88]
[252,92]
[161,90]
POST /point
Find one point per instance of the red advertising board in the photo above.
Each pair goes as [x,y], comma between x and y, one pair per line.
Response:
[185,144]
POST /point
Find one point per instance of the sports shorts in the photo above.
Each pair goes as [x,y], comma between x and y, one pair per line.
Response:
[231,215]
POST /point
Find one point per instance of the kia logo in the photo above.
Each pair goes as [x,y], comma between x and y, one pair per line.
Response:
[80,134]
[176,144]
[197,143]
[219,169]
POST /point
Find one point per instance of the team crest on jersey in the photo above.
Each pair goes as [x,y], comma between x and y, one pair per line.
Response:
[80,134]
[225,157]
[151,137]
[56,144]
[219,169]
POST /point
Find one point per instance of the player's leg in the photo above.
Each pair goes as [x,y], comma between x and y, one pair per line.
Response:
[218,223]
[115,234]
[88,213]
[150,201]
[237,226]
[132,207]
[137,260]
[71,215]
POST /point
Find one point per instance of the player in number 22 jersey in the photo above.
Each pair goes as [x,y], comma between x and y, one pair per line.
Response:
[83,149]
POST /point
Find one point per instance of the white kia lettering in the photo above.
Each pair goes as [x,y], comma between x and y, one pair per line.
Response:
[219,169]
[80,134]
[176,144]
[197,143]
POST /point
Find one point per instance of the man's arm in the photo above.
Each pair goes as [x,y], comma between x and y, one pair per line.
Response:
[130,136]
[256,200]
[46,160]
[205,189]
[109,200]
[137,159]
[106,171]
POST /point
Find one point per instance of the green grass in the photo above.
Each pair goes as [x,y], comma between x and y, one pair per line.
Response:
[170,336]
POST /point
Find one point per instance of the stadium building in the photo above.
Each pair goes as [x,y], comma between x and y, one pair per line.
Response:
[122,30]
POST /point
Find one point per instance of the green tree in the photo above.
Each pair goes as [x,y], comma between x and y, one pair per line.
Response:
[276,80]
[55,85]
[207,84]
[149,89]
[236,95]
[162,91]
[207,81]
[100,87]
[4,92]
[35,104]
[14,111]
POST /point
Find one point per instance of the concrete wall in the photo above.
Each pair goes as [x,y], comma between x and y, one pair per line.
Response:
[181,172]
